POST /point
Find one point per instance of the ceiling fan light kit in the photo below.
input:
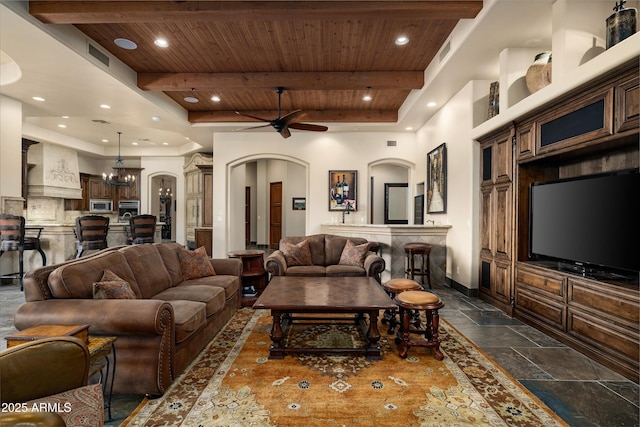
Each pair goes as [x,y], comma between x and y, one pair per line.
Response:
[282,124]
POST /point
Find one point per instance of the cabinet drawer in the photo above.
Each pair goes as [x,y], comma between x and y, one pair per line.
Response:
[531,305]
[549,283]
[615,304]
[606,336]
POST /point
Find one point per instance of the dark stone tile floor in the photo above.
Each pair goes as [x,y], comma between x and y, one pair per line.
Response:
[581,391]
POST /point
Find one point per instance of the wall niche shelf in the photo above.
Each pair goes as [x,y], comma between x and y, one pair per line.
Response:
[562,85]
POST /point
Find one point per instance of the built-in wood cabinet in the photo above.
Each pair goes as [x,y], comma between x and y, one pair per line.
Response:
[198,174]
[593,129]
[496,205]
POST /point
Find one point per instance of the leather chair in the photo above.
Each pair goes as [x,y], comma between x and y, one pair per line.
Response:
[91,233]
[142,229]
[13,238]
[50,370]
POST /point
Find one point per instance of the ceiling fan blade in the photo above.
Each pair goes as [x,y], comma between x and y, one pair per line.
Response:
[252,117]
[285,132]
[308,126]
[254,127]
[288,118]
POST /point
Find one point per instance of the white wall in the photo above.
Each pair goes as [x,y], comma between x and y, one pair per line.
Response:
[453,125]
[317,153]
[10,147]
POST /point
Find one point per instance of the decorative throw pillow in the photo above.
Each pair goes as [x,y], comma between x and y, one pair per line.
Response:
[296,254]
[354,255]
[112,287]
[195,264]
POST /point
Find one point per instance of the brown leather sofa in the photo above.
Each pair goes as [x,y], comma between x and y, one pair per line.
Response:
[160,332]
[326,250]
[53,371]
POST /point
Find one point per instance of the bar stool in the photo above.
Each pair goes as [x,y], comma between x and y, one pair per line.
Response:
[13,238]
[421,250]
[411,302]
[393,287]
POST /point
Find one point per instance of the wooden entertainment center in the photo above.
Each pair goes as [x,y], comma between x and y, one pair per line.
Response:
[590,130]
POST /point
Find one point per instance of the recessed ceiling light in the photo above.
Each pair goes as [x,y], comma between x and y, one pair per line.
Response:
[431,104]
[125,44]
[165,143]
[402,40]
[38,98]
[155,118]
[408,128]
[105,140]
[65,117]
[161,43]
[62,126]
[191,99]
[105,106]
[367,98]
[134,143]
[215,98]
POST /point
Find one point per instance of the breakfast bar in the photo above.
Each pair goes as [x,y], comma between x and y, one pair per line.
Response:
[393,237]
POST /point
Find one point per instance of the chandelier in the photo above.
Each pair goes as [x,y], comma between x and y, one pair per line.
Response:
[164,192]
[119,176]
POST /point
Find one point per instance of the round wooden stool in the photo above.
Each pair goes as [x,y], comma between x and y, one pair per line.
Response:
[411,302]
[393,287]
[421,250]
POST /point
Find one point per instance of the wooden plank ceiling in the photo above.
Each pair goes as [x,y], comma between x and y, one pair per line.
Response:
[325,54]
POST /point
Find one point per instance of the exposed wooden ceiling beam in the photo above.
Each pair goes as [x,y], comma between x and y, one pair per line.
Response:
[310,116]
[348,80]
[94,12]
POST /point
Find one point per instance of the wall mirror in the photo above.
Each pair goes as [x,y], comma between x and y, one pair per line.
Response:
[395,203]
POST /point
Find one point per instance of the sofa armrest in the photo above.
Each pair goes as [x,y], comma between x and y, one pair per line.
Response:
[105,316]
[276,264]
[227,266]
[374,265]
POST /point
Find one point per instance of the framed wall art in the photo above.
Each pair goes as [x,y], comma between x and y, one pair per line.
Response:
[299,203]
[437,180]
[343,190]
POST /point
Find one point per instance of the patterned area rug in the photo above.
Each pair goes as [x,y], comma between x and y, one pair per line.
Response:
[233,383]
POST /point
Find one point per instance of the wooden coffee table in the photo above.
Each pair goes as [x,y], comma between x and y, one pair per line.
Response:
[286,296]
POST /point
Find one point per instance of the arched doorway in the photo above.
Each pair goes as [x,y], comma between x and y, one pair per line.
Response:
[162,203]
[249,181]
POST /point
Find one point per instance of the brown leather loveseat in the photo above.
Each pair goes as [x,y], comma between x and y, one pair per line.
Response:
[170,319]
[322,255]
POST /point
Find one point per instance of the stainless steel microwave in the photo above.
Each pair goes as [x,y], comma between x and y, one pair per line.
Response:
[100,206]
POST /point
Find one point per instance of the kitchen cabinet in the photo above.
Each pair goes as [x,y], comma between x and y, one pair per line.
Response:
[99,189]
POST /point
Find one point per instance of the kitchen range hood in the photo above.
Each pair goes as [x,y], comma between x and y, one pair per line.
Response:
[54,172]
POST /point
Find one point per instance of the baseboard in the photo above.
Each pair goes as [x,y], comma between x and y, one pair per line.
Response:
[461,288]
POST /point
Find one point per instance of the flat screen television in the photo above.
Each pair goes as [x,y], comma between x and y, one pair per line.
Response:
[589,224]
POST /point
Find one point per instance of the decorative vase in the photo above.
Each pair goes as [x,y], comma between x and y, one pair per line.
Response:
[621,24]
[539,73]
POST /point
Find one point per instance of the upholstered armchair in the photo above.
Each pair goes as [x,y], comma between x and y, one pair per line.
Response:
[44,383]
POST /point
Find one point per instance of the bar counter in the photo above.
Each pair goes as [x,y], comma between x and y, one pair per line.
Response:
[59,242]
[393,237]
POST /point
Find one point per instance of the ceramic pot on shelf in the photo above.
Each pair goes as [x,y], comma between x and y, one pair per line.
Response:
[621,24]
[539,73]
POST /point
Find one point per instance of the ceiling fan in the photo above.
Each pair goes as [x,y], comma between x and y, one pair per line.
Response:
[282,124]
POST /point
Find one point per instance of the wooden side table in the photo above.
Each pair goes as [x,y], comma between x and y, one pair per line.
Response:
[100,348]
[254,276]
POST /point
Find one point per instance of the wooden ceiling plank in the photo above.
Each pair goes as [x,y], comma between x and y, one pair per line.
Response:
[336,116]
[346,80]
[87,12]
